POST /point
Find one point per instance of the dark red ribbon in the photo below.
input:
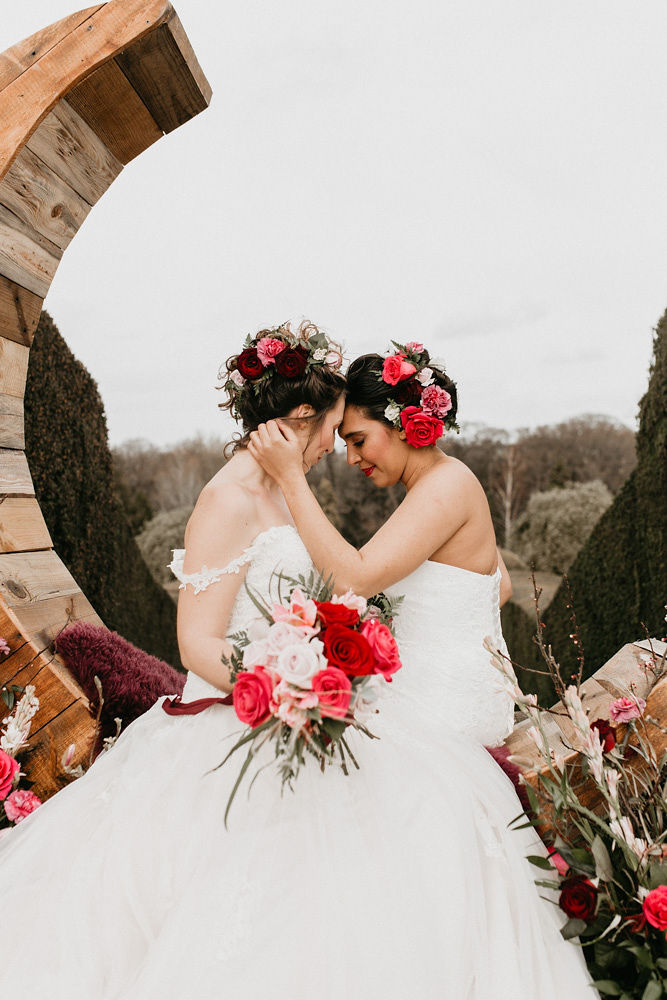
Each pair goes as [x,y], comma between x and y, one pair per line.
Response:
[174,706]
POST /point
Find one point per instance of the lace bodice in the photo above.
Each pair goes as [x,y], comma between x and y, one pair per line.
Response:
[446,613]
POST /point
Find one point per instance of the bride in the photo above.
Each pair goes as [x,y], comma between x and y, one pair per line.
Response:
[401,879]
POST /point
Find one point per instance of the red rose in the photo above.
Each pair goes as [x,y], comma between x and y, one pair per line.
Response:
[396,368]
[252,695]
[291,363]
[383,646]
[248,363]
[578,897]
[348,650]
[336,614]
[655,908]
[421,429]
[8,768]
[607,734]
[334,691]
[408,393]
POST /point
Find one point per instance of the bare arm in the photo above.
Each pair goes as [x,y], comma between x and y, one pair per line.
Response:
[214,541]
[506,589]
[430,514]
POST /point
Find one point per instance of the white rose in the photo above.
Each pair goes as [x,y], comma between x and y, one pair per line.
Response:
[237,378]
[364,706]
[425,376]
[299,663]
[392,412]
[256,654]
[257,629]
[281,635]
[320,354]
[352,601]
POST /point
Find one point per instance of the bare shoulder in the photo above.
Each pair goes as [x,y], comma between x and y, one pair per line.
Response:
[224,515]
[448,479]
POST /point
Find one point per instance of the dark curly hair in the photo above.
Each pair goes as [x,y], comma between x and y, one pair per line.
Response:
[367,389]
[321,386]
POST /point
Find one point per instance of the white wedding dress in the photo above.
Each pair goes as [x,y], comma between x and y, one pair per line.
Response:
[400,880]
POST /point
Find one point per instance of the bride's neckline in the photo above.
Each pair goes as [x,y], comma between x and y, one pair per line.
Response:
[427,562]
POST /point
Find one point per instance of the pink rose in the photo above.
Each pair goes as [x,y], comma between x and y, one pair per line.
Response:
[436,401]
[334,691]
[421,429]
[8,768]
[395,369]
[252,696]
[268,348]
[655,908]
[625,709]
[297,697]
[20,804]
[414,347]
[383,647]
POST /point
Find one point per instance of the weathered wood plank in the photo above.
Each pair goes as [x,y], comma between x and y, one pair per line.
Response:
[110,105]
[30,577]
[25,101]
[15,478]
[168,78]
[13,367]
[74,153]
[11,632]
[11,422]
[19,312]
[52,693]
[41,199]
[22,525]
[42,763]
[23,257]
[44,620]
[26,53]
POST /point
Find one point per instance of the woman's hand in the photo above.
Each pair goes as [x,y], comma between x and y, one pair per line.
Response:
[278,450]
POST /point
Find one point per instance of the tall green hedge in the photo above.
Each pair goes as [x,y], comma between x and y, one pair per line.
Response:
[71,466]
[619,578]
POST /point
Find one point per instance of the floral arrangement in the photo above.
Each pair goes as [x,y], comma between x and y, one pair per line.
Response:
[283,352]
[17,802]
[418,405]
[608,860]
[312,667]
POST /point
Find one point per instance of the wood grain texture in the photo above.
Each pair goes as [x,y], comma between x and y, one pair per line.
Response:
[41,199]
[13,367]
[70,148]
[110,105]
[12,433]
[22,525]
[47,746]
[26,53]
[161,72]
[19,312]
[25,101]
[25,256]
[15,478]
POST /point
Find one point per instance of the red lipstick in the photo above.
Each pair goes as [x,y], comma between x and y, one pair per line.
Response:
[367,472]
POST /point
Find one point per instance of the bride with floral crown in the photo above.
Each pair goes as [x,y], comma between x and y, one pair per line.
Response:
[400,878]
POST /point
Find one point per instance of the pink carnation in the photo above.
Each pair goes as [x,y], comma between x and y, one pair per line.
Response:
[626,709]
[414,347]
[436,401]
[268,348]
[4,646]
[20,804]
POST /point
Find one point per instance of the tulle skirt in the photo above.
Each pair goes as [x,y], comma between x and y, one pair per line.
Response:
[399,880]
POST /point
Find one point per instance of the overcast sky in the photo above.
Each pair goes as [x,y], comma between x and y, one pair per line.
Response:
[486,177]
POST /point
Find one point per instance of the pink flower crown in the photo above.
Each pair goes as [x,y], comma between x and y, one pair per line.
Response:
[281,352]
[418,406]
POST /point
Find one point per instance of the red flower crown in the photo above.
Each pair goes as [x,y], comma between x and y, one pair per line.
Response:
[418,405]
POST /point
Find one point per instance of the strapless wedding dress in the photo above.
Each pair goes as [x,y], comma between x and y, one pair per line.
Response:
[400,880]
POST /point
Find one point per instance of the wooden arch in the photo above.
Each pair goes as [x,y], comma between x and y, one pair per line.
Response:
[78,100]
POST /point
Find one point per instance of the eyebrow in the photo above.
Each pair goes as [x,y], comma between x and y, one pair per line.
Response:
[350,434]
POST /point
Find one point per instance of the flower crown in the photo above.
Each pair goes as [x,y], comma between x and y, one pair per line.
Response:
[281,352]
[417,405]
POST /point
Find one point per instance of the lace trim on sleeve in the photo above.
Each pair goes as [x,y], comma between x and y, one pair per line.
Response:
[205,576]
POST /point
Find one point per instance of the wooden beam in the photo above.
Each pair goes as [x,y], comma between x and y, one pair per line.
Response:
[22,525]
[26,257]
[70,148]
[26,53]
[46,748]
[13,367]
[15,478]
[110,105]
[11,422]
[19,312]
[34,193]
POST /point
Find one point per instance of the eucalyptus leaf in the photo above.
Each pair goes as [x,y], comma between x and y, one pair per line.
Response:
[653,990]
[608,987]
[603,866]
[573,928]
[540,862]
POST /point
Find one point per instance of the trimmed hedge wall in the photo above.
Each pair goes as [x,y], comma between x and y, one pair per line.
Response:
[72,469]
[619,578]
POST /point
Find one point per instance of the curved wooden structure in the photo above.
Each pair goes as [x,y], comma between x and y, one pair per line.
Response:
[78,101]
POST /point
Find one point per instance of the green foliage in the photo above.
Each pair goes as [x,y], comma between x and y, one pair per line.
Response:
[162,534]
[71,466]
[555,524]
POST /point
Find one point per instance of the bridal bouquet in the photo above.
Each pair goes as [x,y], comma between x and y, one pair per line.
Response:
[313,667]
[605,805]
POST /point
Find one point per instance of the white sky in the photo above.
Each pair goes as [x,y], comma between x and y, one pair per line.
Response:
[486,177]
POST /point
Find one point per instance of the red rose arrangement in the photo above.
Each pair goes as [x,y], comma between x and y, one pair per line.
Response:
[311,670]
[417,405]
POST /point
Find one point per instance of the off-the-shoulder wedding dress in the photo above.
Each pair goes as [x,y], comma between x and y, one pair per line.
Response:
[400,880]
